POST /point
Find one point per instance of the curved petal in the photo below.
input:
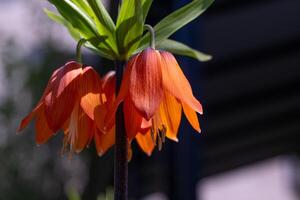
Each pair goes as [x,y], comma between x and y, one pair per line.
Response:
[26,120]
[170,114]
[85,132]
[109,85]
[191,116]
[60,100]
[145,142]
[104,141]
[32,114]
[100,114]
[146,83]
[80,130]
[110,118]
[176,83]
[133,120]
[90,91]
[43,132]
[145,126]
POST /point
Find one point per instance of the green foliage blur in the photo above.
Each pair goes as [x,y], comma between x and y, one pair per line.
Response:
[74,195]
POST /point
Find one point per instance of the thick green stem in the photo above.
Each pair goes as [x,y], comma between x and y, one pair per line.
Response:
[121,145]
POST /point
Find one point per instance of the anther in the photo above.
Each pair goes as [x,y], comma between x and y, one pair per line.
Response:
[152,131]
[159,142]
[163,133]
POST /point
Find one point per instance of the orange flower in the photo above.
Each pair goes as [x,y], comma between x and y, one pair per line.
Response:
[154,90]
[68,104]
[109,83]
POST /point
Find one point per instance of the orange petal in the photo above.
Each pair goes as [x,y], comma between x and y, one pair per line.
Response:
[100,114]
[133,120]
[191,116]
[31,115]
[43,132]
[104,141]
[176,83]
[145,142]
[146,82]
[80,129]
[50,84]
[85,132]
[145,126]
[90,91]
[59,102]
[170,113]
[24,123]
[110,118]
[109,85]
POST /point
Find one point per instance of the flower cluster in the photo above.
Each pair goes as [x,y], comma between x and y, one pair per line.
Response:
[154,91]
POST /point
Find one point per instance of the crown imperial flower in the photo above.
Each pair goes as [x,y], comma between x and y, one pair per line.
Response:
[155,91]
[68,104]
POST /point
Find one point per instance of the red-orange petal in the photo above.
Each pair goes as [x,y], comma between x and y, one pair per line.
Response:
[26,120]
[79,130]
[100,113]
[170,114]
[145,126]
[133,120]
[109,85]
[90,91]
[104,141]
[176,83]
[32,114]
[60,100]
[191,116]
[85,132]
[43,132]
[110,117]
[146,82]
[145,141]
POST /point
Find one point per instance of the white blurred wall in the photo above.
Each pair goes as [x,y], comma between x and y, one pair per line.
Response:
[268,180]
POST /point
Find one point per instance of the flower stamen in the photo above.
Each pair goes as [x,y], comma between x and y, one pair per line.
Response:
[158,135]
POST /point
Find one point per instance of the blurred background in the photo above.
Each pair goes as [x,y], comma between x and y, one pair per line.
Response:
[249,145]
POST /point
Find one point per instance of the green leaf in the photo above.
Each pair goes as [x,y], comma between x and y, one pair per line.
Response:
[92,44]
[183,50]
[84,6]
[146,7]
[176,20]
[106,25]
[91,8]
[60,20]
[129,26]
[76,17]
[78,14]
[100,51]
[102,14]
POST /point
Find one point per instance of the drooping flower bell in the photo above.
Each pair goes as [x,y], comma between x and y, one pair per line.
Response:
[131,120]
[154,91]
[68,104]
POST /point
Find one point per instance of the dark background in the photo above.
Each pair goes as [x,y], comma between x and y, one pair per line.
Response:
[249,90]
[250,94]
